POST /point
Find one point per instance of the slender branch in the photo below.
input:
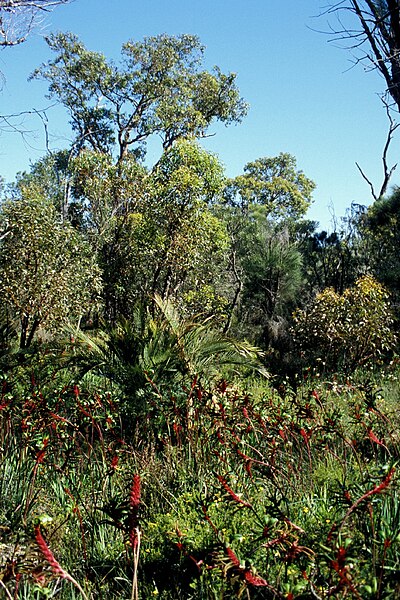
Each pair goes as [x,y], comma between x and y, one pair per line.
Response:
[368,181]
[19,17]
[387,172]
[6,590]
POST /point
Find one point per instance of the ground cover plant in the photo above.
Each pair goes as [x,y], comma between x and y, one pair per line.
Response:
[217,493]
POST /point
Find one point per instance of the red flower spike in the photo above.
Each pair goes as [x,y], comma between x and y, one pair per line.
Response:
[254,579]
[347,496]
[376,490]
[42,452]
[134,502]
[232,494]
[49,556]
[232,557]
[134,499]
[374,439]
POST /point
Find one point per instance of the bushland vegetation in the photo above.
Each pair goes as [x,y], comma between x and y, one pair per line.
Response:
[199,389]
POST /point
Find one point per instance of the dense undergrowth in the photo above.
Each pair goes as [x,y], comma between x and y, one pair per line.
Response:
[218,493]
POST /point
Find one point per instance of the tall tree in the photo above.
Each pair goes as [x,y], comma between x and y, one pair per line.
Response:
[160,88]
[272,267]
[374,40]
[153,230]
[262,207]
[378,37]
[276,184]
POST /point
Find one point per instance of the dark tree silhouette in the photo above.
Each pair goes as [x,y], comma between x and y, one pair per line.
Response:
[371,29]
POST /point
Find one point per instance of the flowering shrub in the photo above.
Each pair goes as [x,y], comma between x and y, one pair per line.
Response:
[348,330]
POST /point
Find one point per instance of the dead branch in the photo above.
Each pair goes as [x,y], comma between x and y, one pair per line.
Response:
[387,172]
[371,30]
[19,17]
[368,181]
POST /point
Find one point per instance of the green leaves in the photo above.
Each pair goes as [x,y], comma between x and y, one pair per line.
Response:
[154,231]
[47,273]
[347,330]
[275,184]
[158,89]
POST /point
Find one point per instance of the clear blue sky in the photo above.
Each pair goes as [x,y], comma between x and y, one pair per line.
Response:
[304,97]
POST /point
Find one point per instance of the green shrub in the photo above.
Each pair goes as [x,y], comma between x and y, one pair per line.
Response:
[349,330]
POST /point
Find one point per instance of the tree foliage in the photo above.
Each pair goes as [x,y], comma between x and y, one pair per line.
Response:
[159,88]
[348,330]
[379,227]
[272,277]
[276,184]
[154,230]
[262,209]
[47,273]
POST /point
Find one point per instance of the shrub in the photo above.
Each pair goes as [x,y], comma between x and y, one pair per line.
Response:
[348,330]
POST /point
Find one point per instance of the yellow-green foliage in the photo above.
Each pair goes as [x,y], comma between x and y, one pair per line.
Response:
[349,329]
[48,276]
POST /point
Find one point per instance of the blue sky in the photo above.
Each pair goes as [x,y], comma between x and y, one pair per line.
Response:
[304,96]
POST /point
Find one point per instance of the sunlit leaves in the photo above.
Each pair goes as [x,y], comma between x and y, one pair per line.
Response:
[47,273]
[159,88]
[275,184]
[155,231]
[347,330]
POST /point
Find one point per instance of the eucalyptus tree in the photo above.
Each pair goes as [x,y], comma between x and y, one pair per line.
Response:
[150,222]
[48,275]
[159,88]
[276,184]
[154,231]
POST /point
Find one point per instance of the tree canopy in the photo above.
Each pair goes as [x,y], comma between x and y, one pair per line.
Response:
[159,88]
[275,184]
[47,273]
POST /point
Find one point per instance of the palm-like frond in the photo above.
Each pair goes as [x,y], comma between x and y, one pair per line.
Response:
[203,349]
[166,349]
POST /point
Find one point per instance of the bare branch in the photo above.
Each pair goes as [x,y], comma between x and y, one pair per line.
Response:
[19,17]
[387,171]
[368,181]
[376,40]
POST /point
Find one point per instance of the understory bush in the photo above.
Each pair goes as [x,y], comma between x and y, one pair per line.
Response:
[349,330]
[217,493]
